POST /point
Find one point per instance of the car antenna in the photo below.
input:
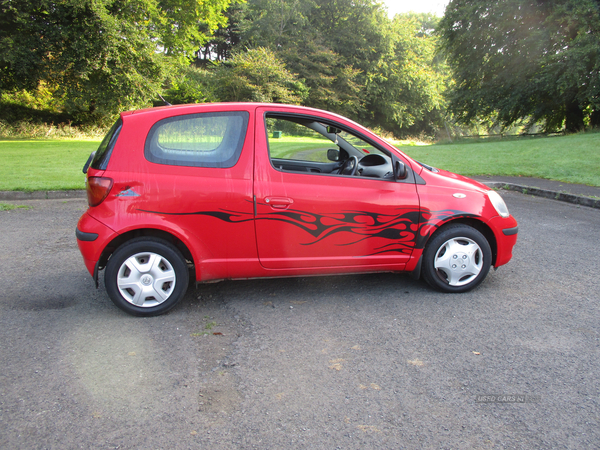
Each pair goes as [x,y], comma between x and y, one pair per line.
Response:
[164,101]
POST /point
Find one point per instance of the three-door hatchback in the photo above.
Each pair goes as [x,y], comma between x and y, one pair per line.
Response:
[226,191]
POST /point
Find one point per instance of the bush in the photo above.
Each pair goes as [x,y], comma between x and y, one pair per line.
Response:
[31,130]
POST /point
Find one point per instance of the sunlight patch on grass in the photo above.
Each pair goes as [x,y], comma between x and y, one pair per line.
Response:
[32,165]
[572,159]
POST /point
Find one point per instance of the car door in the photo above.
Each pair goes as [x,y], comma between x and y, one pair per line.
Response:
[308,215]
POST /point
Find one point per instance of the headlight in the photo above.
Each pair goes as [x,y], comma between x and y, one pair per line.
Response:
[498,203]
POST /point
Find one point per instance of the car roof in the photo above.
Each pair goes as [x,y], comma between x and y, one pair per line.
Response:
[242,106]
[230,105]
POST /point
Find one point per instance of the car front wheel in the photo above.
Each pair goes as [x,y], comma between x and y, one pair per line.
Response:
[146,277]
[457,259]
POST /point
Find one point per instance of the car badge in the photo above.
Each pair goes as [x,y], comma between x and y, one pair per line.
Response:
[128,193]
[459,195]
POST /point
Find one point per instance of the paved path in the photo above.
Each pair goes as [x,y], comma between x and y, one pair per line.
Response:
[578,194]
[582,190]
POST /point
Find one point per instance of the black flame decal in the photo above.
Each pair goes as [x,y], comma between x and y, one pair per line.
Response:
[405,231]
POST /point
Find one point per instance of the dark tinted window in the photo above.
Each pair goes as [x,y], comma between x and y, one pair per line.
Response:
[198,140]
[103,153]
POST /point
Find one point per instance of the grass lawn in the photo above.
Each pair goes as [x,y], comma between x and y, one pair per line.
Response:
[290,146]
[573,159]
[43,164]
[56,164]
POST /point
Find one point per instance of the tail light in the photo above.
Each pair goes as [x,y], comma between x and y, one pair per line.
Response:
[97,189]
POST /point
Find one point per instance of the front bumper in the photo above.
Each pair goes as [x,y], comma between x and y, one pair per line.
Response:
[505,230]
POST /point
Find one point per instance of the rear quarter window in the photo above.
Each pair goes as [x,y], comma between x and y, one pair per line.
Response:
[198,140]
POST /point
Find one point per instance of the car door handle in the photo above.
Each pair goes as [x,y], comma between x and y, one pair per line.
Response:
[279,202]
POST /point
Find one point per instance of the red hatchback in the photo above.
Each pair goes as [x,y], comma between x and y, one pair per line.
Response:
[226,191]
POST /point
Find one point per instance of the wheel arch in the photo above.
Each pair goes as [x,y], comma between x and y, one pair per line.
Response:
[473,223]
[121,239]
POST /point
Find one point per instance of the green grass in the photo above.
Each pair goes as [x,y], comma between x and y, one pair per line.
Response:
[35,165]
[572,159]
[289,147]
[31,165]
[10,207]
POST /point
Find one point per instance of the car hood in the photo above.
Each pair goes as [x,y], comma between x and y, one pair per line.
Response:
[444,178]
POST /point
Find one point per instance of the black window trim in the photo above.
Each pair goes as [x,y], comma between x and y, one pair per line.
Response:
[100,160]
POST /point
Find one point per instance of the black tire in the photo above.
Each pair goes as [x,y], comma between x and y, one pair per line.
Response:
[146,276]
[456,259]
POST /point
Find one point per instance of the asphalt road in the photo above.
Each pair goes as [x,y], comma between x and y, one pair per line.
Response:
[352,362]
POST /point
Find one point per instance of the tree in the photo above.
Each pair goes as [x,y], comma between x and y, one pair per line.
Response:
[352,58]
[224,39]
[189,85]
[332,83]
[257,75]
[405,89]
[276,24]
[100,56]
[534,60]
[290,29]
[358,30]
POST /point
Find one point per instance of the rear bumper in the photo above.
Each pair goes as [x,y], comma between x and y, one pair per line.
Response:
[86,237]
[92,238]
[510,231]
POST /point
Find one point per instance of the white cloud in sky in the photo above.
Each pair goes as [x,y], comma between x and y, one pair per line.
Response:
[419,6]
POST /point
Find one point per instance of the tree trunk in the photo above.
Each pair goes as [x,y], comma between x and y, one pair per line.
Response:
[574,116]
[595,119]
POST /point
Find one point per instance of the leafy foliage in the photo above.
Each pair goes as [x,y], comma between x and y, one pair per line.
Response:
[258,76]
[189,85]
[332,84]
[405,89]
[352,58]
[524,59]
[100,56]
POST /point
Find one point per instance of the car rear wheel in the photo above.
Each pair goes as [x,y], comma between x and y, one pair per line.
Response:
[457,259]
[146,277]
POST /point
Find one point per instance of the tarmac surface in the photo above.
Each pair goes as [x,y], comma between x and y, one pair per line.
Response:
[364,361]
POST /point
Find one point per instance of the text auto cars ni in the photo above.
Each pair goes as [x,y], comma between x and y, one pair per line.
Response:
[226,191]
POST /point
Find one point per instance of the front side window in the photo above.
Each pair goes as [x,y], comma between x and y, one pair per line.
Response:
[296,141]
[198,140]
[312,146]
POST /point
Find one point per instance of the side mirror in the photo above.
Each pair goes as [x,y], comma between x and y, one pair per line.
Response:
[333,154]
[400,170]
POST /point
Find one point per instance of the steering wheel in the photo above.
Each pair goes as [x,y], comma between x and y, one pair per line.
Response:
[349,167]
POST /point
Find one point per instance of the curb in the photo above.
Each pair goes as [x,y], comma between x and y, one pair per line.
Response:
[41,195]
[553,195]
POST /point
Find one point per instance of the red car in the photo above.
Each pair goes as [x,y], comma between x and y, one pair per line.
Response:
[247,190]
